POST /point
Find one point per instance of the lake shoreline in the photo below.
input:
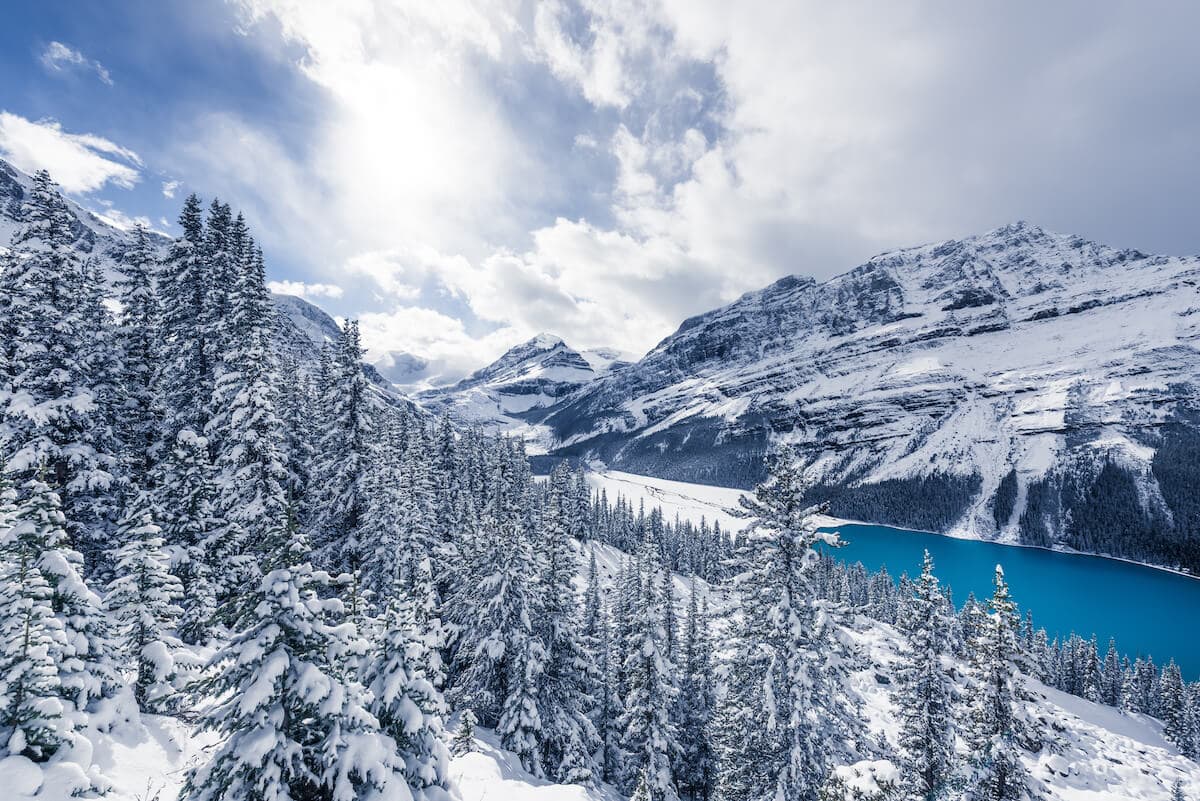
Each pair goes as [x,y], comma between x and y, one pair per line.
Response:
[827,521]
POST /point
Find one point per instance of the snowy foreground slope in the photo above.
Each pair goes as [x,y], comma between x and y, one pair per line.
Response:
[1004,385]
[1093,753]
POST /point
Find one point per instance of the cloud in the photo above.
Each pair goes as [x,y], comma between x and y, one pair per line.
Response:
[120,220]
[605,168]
[78,162]
[170,187]
[305,290]
[441,341]
[58,58]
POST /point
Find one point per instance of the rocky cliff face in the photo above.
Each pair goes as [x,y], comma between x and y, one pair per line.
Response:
[1021,384]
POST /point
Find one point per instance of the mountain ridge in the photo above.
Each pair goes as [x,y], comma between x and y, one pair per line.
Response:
[995,381]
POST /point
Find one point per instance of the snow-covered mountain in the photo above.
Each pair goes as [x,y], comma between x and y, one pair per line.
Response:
[524,381]
[96,237]
[1021,384]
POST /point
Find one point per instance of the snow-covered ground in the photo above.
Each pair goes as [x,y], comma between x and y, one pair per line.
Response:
[689,501]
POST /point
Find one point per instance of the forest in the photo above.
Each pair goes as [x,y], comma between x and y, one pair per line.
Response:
[194,523]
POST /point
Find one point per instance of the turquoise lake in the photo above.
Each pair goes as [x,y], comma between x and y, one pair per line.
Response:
[1148,611]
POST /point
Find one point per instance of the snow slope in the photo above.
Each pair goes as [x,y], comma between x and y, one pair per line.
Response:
[1092,752]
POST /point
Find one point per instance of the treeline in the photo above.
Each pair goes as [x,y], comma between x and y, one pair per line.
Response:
[1075,665]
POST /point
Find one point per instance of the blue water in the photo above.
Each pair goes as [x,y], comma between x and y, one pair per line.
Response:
[1148,611]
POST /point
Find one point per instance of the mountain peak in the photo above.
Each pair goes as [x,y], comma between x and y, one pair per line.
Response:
[544,341]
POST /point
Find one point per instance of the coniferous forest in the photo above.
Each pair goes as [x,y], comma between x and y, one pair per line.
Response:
[339,590]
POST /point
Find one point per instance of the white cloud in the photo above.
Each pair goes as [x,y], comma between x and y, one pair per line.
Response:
[120,220]
[735,143]
[169,188]
[438,339]
[78,162]
[58,58]
[305,290]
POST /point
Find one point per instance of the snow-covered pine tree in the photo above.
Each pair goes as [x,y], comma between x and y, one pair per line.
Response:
[695,771]
[1173,708]
[568,736]
[423,556]
[925,696]
[407,704]
[499,659]
[142,601]
[781,691]
[186,373]
[649,738]
[251,476]
[53,421]
[294,724]
[295,402]
[220,251]
[345,456]
[31,710]
[995,772]
[464,735]
[186,496]
[610,708]
[140,422]
[1112,676]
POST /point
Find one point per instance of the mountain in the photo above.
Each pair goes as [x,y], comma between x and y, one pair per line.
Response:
[1023,385]
[527,379]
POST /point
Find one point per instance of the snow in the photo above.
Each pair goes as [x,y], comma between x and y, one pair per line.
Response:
[688,501]
[490,773]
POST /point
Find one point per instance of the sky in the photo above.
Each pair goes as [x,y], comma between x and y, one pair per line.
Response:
[461,176]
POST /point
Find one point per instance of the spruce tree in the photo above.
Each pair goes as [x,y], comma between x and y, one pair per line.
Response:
[925,695]
[464,736]
[251,476]
[137,335]
[142,600]
[782,688]
[186,369]
[345,455]
[649,737]
[499,659]
[54,416]
[1112,676]
[190,526]
[293,722]
[1173,707]
[31,637]
[996,772]
[404,700]
[568,736]
[695,770]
